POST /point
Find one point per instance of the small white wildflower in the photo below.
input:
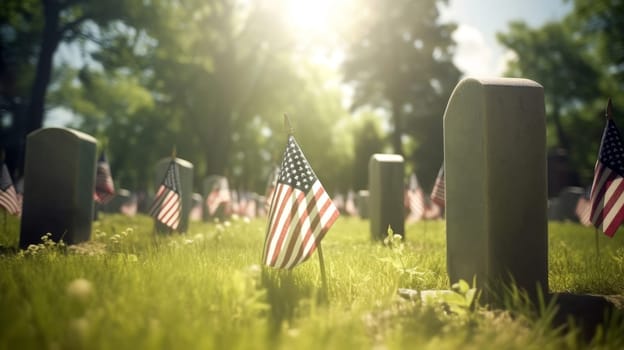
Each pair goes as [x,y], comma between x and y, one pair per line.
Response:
[188,241]
[227,224]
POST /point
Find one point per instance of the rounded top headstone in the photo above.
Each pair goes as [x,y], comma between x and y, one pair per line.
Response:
[55,130]
[383,157]
[498,81]
[183,163]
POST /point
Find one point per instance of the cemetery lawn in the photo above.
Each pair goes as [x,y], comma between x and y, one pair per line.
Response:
[130,289]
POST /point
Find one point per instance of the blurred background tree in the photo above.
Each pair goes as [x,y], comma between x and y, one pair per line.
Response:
[214,78]
[399,59]
[579,61]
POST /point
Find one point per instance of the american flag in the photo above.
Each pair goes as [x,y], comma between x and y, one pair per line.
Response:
[438,192]
[350,207]
[301,212]
[271,183]
[414,199]
[8,196]
[219,194]
[583,211]
[104,188]
[607,201]
[167,202]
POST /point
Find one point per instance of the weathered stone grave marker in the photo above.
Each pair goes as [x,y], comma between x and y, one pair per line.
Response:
[196,207]
[385,186]
[122,196]
[568,198]
[216,198]
[59,180]
[185,171]
[496,195]
[362,203]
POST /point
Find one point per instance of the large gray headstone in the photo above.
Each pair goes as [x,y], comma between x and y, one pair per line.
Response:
[59,180]
[185,170]
[385,186]
[496,195]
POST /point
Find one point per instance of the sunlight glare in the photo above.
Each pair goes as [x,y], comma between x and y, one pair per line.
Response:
[314,19]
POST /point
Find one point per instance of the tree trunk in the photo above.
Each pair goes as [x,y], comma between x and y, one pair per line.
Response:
[50,38]
[397,133]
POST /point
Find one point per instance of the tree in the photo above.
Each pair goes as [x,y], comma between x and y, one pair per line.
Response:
[367,141]
[552,56]
[54,22]
[401,62]
[212,77]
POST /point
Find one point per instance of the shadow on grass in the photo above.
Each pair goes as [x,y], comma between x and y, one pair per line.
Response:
[289,296]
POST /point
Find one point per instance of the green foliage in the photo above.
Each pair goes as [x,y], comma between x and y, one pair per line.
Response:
[399,59]
[130,288]
[579,62]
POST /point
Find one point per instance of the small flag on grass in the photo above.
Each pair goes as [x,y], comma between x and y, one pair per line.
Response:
[271,183]
[8,196]
[438,191]
[219,195]
[607,199]
[104,187]
[167,202]
[301,212]
[414,199]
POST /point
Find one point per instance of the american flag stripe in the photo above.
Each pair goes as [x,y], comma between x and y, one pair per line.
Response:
[282,192]
[290,244]
[8,196]
[610,188]
[8,200]
[170,210]
[607,216]
[306,226]
[291,234]
[281,227]
[319,227]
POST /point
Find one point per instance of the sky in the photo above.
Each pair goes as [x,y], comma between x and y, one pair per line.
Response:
[478,52]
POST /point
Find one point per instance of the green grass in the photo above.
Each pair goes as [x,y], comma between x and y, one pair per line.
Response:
[206,290]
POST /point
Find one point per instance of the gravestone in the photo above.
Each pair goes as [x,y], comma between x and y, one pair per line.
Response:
[216,198]
[568,198]
[122,196]
[496,195]
[554,211]
[185,171]
[59,182]
[196,207]
[362,203]
[385,186]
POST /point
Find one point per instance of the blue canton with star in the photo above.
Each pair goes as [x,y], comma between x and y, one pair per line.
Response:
[295,170]
[612,149]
